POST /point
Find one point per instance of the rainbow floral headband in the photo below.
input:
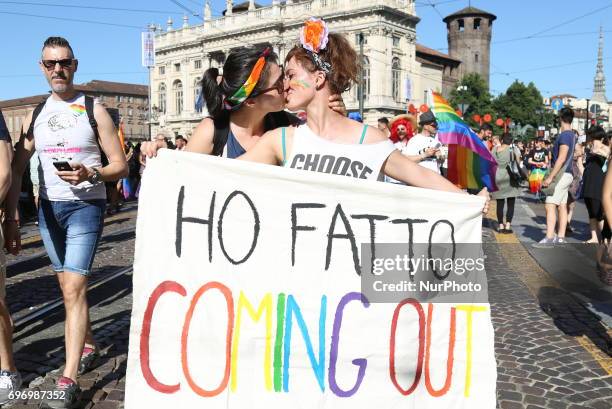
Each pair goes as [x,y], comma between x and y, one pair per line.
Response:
[244,92]
[314,36]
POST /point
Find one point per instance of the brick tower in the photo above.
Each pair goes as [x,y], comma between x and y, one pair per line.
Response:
[469,40]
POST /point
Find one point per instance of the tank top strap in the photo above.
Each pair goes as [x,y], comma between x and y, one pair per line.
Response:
[363,134]
[284,143]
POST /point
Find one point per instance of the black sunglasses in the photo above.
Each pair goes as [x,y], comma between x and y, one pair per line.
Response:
[279,86]
[50,64]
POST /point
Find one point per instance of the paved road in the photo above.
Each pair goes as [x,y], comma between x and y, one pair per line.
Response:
[572,265]
[552,351]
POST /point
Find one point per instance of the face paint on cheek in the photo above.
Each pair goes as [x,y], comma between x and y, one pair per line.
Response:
[299,84]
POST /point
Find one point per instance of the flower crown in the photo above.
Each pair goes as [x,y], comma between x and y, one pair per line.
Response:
[314,36]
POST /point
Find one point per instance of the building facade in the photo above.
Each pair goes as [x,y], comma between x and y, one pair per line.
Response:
[395,69]
[129,101]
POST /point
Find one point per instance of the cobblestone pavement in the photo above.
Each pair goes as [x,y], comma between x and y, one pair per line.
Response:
[551,357]
[39,346]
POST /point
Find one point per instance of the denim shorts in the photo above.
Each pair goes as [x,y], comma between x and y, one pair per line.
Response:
[71,232]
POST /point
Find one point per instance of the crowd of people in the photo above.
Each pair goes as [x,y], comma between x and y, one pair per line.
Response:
[78,164]
[558,171]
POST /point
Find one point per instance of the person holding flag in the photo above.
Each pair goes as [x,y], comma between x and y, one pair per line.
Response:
[470,164]
[424,148]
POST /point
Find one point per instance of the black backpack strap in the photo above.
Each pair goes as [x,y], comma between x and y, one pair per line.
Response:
[37,110]
[89,108]
[220,136]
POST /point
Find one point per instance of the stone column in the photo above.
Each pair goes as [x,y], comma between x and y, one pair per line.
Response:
[188,102]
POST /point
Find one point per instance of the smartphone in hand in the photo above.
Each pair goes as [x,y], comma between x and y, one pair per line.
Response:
[63,166]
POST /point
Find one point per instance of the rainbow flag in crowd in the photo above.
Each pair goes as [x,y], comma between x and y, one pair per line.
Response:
[470,164]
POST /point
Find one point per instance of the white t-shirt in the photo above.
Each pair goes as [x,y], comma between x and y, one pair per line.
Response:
[417,145]
[400,146]
[62,133]
[359,160]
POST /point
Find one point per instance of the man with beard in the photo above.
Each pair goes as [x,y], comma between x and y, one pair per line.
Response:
[485,134]
[73,138]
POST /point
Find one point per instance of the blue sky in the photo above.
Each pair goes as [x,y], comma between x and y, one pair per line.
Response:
[559,55]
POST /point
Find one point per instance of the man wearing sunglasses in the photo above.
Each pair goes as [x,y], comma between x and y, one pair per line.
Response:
[71,146]
[424,147]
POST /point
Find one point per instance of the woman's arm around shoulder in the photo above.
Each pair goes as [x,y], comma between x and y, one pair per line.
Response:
[269,149]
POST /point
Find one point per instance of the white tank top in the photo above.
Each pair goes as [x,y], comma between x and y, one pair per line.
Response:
[316,154]
[62,133]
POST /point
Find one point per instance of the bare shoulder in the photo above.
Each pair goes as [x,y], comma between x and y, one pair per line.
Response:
[100,112]
[206,128]
[374,135]
[201,140]
[275,136]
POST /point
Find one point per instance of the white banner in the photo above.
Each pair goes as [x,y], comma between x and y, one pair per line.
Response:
[148,49]
[247,294]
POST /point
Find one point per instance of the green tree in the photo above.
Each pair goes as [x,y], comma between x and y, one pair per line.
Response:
[523,104]
[472,90]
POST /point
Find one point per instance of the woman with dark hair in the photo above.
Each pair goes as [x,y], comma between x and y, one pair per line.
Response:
[326,64]
[243,103]
[593,180]
[506,192]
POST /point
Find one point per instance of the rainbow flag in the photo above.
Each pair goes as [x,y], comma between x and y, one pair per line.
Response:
[470,164]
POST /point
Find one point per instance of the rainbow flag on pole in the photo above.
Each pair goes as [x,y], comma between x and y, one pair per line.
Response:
[470,164]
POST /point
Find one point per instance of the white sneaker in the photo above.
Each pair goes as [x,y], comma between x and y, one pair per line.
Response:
[560,240]
[546,243]
[9,382]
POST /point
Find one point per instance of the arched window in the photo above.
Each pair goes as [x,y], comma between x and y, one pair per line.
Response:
[366,78]
[197,90]
[395,79]
[162,98]
[177,88]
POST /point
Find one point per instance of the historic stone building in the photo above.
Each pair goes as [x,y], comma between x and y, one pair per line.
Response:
[395,68]
[129,101]
[469,40]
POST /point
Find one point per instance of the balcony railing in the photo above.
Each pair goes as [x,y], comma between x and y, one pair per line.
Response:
[269,14]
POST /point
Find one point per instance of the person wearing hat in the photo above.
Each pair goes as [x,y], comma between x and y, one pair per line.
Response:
[424,147]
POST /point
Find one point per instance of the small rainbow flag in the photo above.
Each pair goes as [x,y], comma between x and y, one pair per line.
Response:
[78,109]
[470,164]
